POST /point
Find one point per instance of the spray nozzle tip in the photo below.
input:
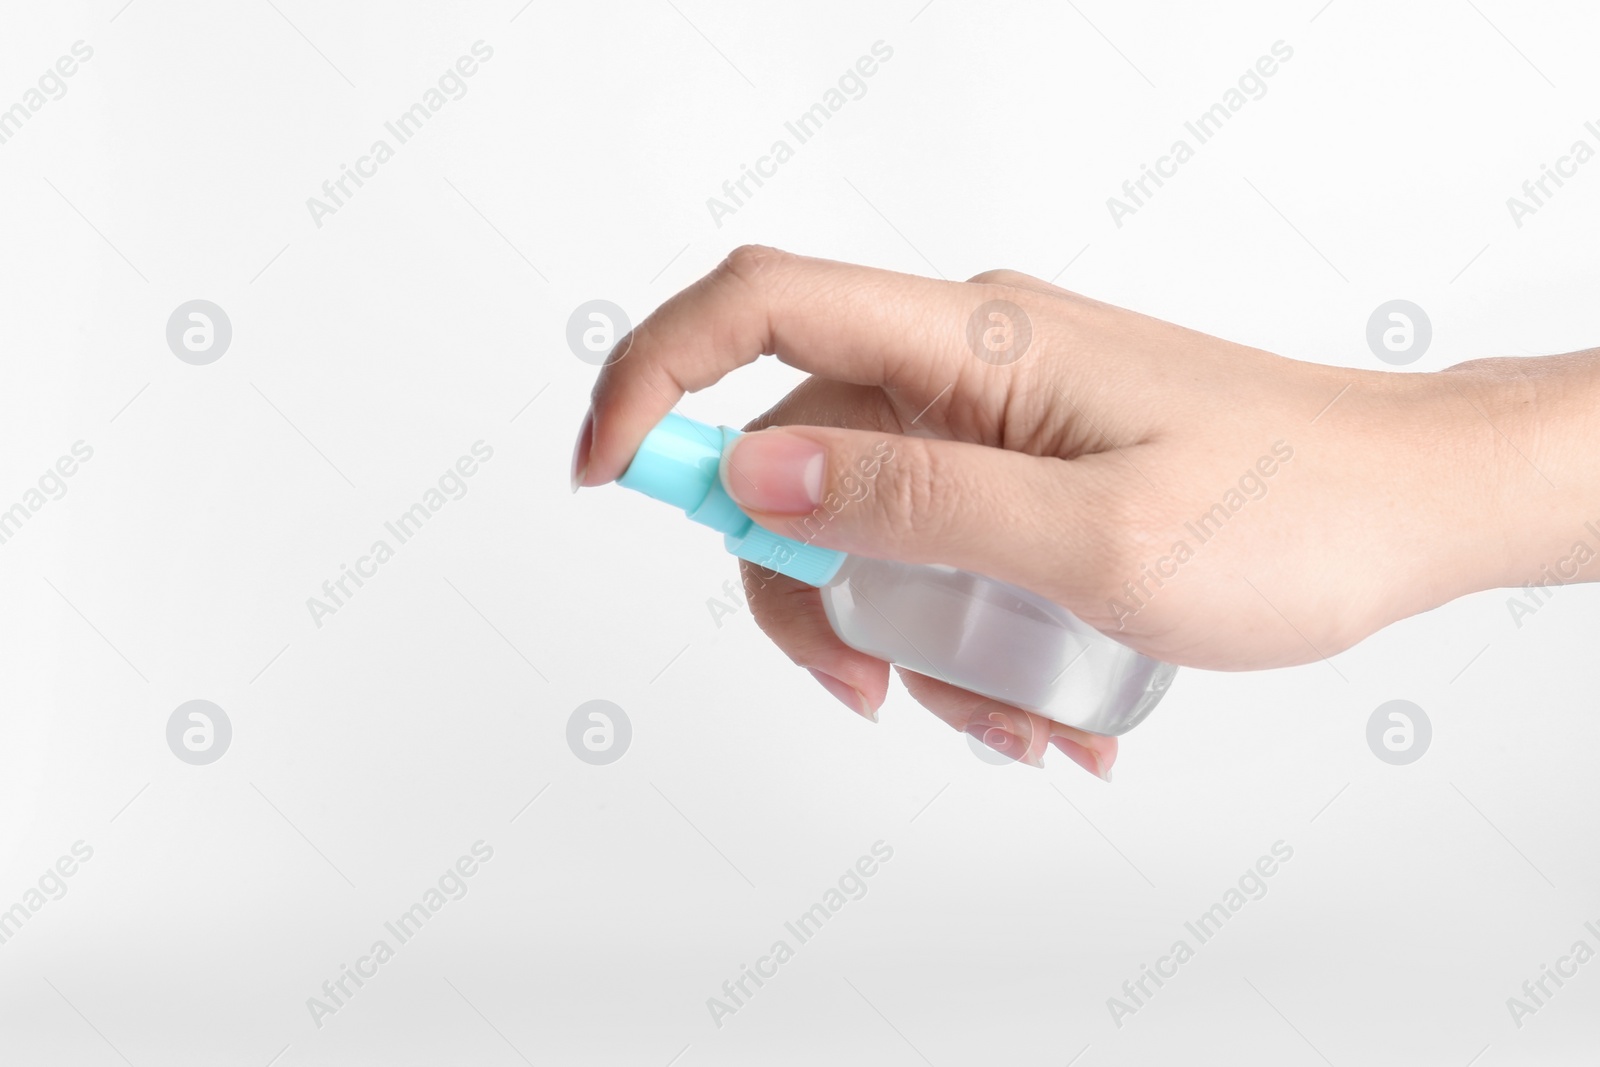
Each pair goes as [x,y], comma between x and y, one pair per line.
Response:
[676,462]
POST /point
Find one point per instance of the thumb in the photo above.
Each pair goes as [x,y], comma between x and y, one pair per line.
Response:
[1010,515]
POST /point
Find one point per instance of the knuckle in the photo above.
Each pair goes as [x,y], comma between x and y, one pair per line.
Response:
[749,263]
[909,500]
[1003,277]
[782,413]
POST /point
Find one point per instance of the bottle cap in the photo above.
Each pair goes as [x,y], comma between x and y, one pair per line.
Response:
[678,463]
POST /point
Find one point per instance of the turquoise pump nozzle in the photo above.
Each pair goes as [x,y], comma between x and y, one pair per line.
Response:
[678,464]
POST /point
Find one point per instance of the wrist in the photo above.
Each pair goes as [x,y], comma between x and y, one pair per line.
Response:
[1525,435]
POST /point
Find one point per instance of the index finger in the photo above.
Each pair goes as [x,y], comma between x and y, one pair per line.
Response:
[849,323]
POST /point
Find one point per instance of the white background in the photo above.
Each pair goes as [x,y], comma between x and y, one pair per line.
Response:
[368,354]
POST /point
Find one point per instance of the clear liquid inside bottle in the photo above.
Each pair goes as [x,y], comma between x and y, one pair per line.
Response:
[995,639]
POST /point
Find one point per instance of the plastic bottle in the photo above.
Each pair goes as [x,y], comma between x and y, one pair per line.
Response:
[972,631]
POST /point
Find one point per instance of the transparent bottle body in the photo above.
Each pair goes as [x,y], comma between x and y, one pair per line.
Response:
[995,639]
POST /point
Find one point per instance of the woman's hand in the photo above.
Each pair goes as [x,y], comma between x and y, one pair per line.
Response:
[1205,503]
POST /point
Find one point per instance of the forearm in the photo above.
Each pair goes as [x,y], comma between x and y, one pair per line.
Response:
[1531,427]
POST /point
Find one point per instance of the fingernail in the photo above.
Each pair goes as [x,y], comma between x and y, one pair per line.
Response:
[847,694]
[580,451]
[776,472]
[1004,741]
[1083,756]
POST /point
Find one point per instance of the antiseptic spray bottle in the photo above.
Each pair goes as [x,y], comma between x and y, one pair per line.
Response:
[974,632]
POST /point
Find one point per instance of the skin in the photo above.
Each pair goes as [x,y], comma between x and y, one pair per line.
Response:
[1074,470]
